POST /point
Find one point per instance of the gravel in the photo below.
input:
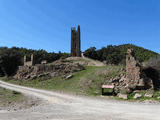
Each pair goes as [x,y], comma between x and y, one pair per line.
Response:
[59,106]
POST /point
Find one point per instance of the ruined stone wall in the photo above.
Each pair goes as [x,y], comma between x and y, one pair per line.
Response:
[134,79]
[31,72]
[133,70]
[28,63]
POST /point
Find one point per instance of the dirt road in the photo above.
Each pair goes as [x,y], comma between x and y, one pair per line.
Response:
[57,106]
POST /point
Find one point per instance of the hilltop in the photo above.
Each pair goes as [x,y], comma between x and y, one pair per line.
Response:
[116,54]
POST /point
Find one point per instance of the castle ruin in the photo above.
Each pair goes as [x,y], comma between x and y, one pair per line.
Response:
[28,63]
[135,77]
[75,42]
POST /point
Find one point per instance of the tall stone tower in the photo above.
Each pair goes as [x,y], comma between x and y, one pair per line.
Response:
[75,42]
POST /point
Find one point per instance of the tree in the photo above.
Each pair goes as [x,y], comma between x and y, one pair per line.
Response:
[10,59]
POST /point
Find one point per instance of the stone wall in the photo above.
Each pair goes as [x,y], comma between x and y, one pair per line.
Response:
[52,70]
[28,63]
[134,77]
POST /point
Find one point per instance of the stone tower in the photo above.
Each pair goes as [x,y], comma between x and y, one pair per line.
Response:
[75,42]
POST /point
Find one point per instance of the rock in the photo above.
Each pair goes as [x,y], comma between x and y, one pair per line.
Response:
[123,96]
[150,95]
[137,95]
[158,97]
[69,76]
[96,92]
[149,101]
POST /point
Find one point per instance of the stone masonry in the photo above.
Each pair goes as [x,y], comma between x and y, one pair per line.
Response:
[133,70]
[75,42]
[49,70]
[28,63]
[134,77]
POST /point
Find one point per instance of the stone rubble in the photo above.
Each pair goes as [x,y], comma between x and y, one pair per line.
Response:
[137,95]
[48,70]
[131,79]
[149,95]
[158,97]
[123,96]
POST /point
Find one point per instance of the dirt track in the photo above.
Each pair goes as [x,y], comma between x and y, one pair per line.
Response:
[57,106]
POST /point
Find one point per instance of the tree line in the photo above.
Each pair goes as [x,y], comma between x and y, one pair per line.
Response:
[11,58]
[117,54]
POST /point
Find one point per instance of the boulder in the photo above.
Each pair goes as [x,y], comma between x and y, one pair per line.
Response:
[69,76]
[158,97]
[149,95]
[123,96]
[137,95]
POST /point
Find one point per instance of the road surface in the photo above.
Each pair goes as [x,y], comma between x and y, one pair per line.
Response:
[58,106]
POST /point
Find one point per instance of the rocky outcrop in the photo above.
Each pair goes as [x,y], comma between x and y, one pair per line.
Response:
[52,70]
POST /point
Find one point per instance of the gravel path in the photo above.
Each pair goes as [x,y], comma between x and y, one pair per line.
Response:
[58,106]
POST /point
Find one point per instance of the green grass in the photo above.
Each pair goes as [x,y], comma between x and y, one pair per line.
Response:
[86,82]
[8,96]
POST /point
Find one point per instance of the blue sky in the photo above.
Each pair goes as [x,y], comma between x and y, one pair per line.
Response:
[46,24]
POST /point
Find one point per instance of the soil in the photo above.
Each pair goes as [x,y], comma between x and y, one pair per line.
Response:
[59,106]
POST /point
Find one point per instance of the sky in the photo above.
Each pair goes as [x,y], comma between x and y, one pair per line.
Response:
[46,24]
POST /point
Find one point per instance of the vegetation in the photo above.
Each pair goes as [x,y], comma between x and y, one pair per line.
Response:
[8,96]
[153,62]
[117,54]
[87,82]
[11,58]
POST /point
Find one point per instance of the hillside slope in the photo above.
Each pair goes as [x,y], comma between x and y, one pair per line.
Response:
[117,54]
[85,61]
[87,81]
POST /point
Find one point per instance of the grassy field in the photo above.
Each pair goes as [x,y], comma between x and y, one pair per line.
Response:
[7,97]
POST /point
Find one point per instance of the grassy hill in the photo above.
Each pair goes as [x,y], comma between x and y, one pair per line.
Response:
[117,54]
[141,53]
